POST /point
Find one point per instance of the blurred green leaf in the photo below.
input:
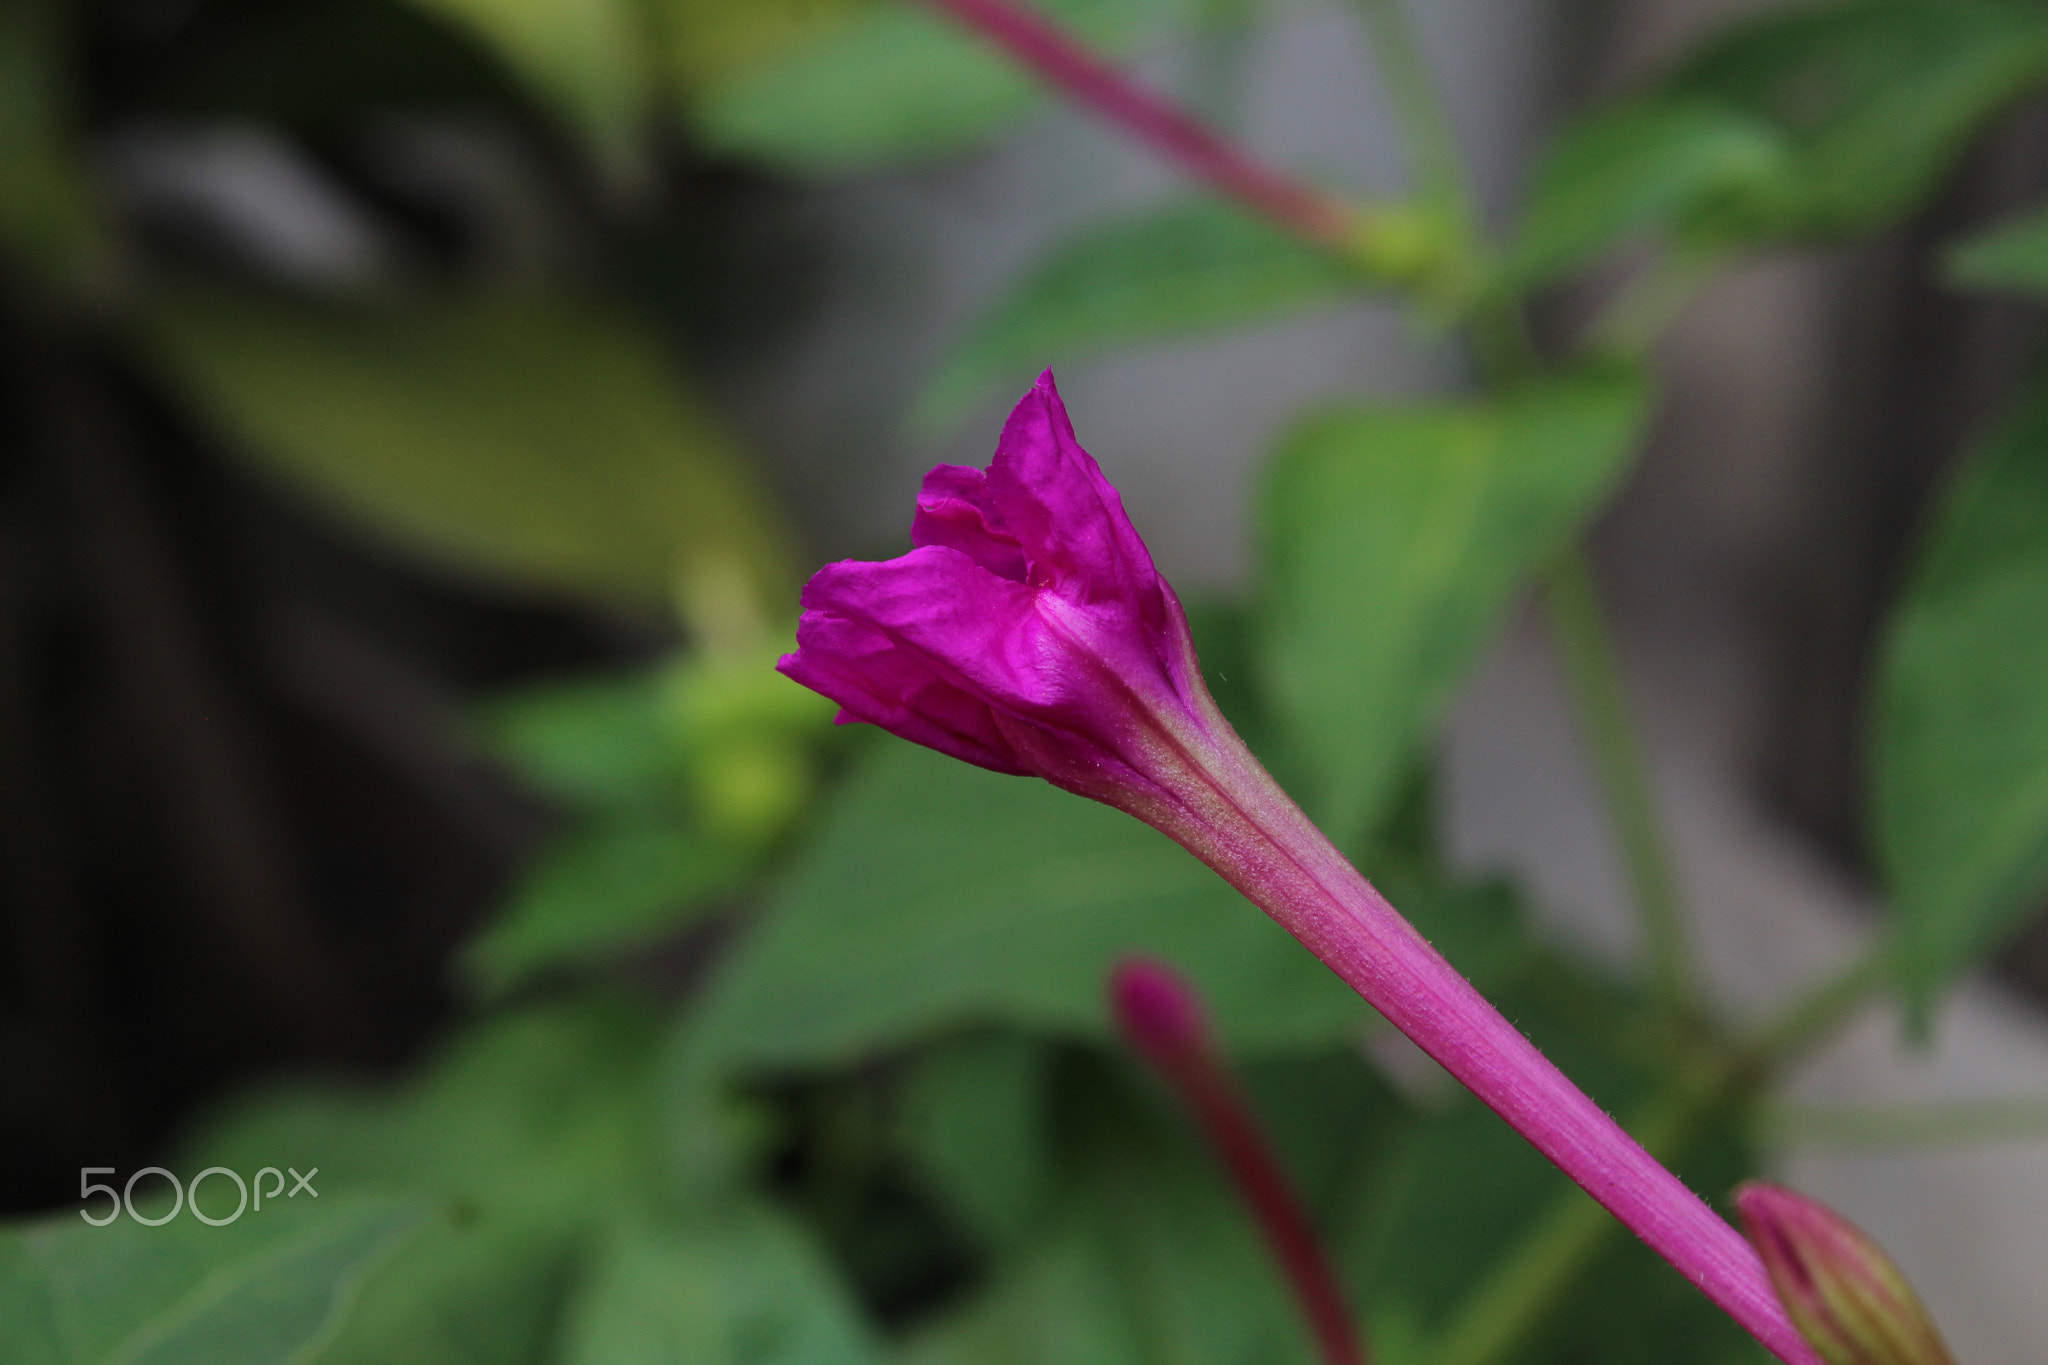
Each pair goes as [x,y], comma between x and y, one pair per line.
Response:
[937,895]
[737,1286]
[2013,255]
[46,212]
[1393,537]
[1630,170]
[974,1118]
[537,436]
[1426,1222]
[604,743]
[599,893]
[270,1288]
[1876,98]
[1149,1257]
[531,1130]
[1961,742]
[586,57]
[896,82]
[711,40]
[1162,273]
[1808,122]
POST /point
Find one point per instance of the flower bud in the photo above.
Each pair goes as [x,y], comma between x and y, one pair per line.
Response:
[1158,1012]
[1840,1289]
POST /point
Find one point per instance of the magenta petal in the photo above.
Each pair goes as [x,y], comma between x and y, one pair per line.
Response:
[953,510]
[874,681]
[982,632]
[845,653]
[1049,493]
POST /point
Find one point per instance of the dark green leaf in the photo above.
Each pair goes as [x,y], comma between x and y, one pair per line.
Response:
[603,742]
[1876,98]
[1431,1219]
[938,895]
[1632,170]
[532,1129]
[1393,538]
[537,436]
[1801,123]
[1961,744]
[2013,255]
[1149,1257]
[1163,273]
[896,82]
[599,893]
[270,1288]
[733,1287]
[974,1120]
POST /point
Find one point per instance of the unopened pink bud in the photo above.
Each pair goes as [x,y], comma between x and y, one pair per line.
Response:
[1157,1011]
[1840,1289]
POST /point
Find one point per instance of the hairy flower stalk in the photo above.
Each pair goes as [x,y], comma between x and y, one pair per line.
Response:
[1039,45]
[1162,1019]
[1028,632]
[1842,1291]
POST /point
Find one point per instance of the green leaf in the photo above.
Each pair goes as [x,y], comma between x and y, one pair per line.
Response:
[740,1287]
[599,893]
[1632,170]
[540,437]
[973,1118]
[1808,122]
[531,1130]
[938,895]
[586,57]
[1149,1257]
[1166,272]
[270,1288]
[606,743]
[712,40]
[1961,743]
[2013,255]
[1876,99]
[1393,537]
[894,83]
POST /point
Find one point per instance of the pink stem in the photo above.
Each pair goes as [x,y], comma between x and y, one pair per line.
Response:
[1162,1018]
[1061,61]
[1215,799]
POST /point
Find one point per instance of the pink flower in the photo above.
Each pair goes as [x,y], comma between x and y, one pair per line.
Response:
[1842,1291]
[1029,632]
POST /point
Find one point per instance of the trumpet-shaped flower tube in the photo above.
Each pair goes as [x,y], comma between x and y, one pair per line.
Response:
[1842,1291]
[1029,632]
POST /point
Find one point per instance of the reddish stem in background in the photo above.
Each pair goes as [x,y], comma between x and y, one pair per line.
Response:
[1063,62]
[1161,1017]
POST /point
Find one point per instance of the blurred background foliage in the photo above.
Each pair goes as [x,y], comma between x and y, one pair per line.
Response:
[387,609]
